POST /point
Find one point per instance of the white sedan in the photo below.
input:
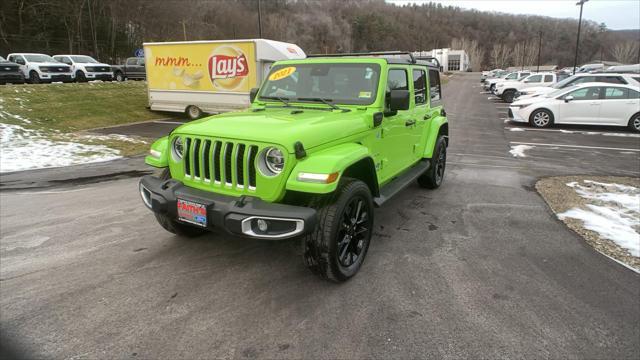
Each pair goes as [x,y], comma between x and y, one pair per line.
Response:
[585,104]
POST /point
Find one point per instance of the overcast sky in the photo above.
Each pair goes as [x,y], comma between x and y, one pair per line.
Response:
[617,14]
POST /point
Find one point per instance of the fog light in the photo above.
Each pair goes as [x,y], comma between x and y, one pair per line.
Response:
[262,225]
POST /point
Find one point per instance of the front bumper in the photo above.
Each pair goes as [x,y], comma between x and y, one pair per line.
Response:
[99,76]
[52,77]
[238,216]
[514,115]
[12,78]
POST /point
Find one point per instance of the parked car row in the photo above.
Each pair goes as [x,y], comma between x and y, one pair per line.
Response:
[35,68]
[586,98]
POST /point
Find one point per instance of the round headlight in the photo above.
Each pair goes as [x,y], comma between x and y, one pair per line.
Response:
[274,159]
[178,148]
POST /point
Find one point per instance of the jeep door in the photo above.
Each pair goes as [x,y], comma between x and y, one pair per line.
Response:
[421,111]
[395,143]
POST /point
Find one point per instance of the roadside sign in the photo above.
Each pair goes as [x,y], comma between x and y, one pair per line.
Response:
[139,53]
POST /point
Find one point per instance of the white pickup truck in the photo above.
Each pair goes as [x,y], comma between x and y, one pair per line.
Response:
[38,68]
[490,84]
[507,89]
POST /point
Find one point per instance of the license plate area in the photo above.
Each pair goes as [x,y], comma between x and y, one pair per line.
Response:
[192,212]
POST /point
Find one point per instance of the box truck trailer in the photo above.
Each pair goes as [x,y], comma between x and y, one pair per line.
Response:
[199,77]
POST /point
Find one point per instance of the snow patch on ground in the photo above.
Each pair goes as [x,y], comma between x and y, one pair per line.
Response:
[516,129]
[518,150]
[613,212]
[22,148]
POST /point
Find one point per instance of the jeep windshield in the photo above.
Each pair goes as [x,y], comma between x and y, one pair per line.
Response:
[39,58]
[323,83]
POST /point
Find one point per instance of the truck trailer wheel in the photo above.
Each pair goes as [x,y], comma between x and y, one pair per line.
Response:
[336,249]
[193,112]
[173,226]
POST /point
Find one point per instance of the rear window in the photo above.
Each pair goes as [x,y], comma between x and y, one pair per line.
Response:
[435,90]
[616,93]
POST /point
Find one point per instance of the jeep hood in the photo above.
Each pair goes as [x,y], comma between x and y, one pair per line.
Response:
[282,126]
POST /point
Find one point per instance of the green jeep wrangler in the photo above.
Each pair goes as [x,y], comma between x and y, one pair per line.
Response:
[325,140]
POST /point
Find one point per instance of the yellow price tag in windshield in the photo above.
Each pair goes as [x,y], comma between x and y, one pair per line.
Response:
[282,73]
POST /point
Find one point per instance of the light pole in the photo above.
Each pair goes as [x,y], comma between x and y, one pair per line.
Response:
[575,61]
[259,21]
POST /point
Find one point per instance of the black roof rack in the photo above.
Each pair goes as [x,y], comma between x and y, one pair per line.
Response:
[430,59]
[392,57]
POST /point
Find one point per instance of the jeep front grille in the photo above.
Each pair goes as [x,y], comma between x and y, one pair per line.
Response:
[220,163]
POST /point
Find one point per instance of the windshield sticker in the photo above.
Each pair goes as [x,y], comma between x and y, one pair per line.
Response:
[365,94]
[282,73]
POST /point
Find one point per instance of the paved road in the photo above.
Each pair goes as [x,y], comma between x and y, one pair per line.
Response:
[479,269]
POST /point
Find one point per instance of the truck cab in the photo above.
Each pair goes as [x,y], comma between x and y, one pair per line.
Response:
[325,140]
[40,68]
[508,90]
[134,68]
[85,68]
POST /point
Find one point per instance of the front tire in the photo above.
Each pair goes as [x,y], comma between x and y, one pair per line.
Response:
[433,178]
[80,77]
[336,249]
[541,118]
[634,122]
[173,226]
[119,77]
[34,78]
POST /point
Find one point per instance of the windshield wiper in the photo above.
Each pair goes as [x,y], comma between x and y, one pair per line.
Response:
[325,101]
[283,100]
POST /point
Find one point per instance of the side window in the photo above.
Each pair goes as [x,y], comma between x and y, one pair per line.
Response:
[548,78]
[614,80]
[12,58]
[397,80]
[534,79]
[420,86]
[583,79]
[612,93]
[141,61]
[633,94]
[434,86]
[591,93]
[132,61]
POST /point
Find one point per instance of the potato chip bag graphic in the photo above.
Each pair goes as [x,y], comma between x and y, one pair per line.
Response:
[228,68]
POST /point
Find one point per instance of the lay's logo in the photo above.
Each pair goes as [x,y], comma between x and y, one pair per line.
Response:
[226,66]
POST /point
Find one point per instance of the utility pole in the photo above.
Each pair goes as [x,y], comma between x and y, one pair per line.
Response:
[524,52]
[575,61]
[539,50]
[184,30]
[259,21]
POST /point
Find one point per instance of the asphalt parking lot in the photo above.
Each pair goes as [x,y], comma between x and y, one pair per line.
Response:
[479,268]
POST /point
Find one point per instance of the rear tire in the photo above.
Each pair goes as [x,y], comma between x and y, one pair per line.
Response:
[173,226]
[508,96]
[336,249]
[634,122]
[541,118]
[433,178]
[34,78]
[193,112]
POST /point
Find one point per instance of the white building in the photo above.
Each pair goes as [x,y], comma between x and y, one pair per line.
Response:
[450,60]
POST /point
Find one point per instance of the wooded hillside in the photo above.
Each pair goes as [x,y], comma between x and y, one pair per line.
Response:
[110,30]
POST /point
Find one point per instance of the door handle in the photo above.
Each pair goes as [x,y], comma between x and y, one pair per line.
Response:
[427,117]
[410,123]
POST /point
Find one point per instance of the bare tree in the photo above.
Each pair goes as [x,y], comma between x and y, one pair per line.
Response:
[501,55]
[626,52]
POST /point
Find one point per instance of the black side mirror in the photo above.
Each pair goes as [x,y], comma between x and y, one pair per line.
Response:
[252,94]
[399,100]
[20,61]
